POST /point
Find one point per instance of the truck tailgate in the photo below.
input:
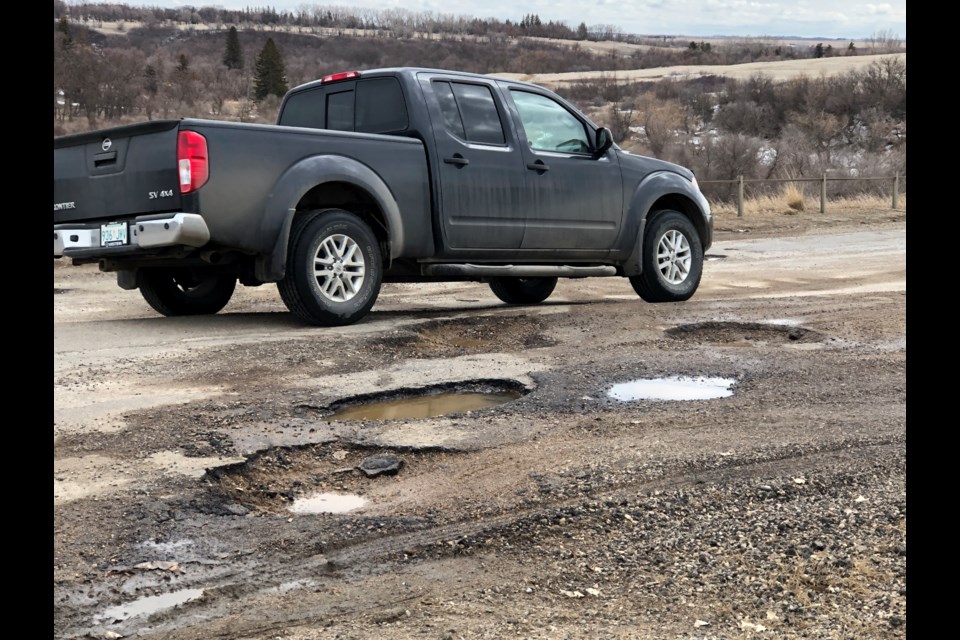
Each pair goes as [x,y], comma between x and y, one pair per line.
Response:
[123,171]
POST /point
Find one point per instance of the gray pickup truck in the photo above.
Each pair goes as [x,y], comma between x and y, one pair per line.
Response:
[388,175]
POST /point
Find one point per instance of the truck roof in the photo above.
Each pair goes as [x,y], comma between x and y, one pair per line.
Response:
[412,71]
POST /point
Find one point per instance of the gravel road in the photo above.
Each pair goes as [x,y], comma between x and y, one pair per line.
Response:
[204,488]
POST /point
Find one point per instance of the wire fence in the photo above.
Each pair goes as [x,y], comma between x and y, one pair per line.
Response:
[894,186]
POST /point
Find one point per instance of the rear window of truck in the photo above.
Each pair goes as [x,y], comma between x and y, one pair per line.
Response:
[375,105]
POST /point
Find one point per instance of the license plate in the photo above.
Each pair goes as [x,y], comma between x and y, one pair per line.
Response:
[113,234]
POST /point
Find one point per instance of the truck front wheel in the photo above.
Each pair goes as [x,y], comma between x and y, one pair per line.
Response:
[522,290]
[672,259]
[186,291]
[334,268]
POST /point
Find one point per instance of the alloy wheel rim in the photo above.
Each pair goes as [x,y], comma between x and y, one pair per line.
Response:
[339,268]
[674,257]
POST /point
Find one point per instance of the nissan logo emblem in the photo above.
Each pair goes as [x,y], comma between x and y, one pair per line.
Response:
[106,144]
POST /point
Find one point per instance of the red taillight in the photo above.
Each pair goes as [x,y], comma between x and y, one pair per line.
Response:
[336,77]
[192,161]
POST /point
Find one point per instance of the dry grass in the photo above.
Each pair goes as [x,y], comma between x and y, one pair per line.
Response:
[792,194]
[777,70]
[790,201]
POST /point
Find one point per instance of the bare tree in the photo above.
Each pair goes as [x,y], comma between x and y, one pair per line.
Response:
[885,41]
[661,122]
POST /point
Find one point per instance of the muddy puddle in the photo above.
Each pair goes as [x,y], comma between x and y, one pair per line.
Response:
[148,605]
[431,406]
[673,388]
[327,503]
[429,402]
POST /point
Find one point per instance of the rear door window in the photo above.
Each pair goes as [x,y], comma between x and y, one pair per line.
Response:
[469,112]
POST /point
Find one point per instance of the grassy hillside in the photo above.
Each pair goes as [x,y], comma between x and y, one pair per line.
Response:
[757,107]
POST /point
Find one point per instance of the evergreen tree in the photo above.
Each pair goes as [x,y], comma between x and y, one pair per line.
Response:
[233,55]
[582,32]
[269,74]
[150,83]
[818,51]
[64,27]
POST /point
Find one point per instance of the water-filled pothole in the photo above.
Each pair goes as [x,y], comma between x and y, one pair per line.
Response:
[427,402]
[148,605]
[714,256]
[327,503]
[732,332]
[673,388]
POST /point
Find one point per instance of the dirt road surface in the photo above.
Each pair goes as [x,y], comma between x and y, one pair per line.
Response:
[197,465]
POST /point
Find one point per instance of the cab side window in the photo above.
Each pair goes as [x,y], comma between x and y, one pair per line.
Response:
[548,125]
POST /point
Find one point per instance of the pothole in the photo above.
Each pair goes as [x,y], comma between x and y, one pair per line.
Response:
[323,478]
[57,291]
[714,256]
[482,334]
[744,332]
[427,402]
[673,388]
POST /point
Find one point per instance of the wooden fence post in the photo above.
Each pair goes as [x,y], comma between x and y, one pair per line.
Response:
[740,197]
[896,189]
[823,193]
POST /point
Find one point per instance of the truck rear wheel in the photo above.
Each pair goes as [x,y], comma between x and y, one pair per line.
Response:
[522,290]
[334,268]
[186,291]
[672,259]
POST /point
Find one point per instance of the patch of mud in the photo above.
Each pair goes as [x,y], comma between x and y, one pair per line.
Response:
[744,333]
[482,334]
[85,476]
[177,463]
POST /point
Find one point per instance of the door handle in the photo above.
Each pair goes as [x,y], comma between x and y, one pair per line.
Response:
[457,160]
[538,166]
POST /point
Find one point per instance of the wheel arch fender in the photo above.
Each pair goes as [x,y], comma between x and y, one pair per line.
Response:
[664,190]
[310,175]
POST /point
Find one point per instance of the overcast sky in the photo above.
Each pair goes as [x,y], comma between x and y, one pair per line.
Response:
[844,19]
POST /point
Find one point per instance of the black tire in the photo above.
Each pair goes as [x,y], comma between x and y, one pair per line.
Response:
[344,291]
[522,290]
[672,259]
[186,291]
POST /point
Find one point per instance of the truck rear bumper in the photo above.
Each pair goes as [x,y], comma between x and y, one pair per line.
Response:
[144,232]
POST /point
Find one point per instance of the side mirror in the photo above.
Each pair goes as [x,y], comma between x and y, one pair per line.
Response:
[603,142]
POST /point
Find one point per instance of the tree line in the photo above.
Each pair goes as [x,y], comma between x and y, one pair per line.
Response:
[848,125]
[722,128]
